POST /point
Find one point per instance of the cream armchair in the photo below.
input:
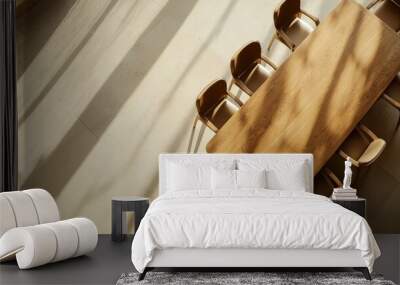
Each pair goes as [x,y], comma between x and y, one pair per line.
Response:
[31,231]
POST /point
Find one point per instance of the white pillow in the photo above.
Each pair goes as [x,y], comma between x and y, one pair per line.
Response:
[188,177]
[236,179]
[293,179]
[223,179]
[281,174]
[187,174]
[251,178]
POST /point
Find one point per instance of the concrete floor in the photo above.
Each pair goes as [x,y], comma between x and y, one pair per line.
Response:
[103,266]
[110,260]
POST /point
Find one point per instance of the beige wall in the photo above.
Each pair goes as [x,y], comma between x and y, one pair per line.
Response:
[105,86]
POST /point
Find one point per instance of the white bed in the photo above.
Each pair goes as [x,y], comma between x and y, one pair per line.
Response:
[215,224]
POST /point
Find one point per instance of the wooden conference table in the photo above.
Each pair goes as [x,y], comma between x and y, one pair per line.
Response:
[319,94]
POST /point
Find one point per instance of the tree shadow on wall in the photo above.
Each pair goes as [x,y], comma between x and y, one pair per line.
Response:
[55,171]
[56,76]
[43,17]
[149,190]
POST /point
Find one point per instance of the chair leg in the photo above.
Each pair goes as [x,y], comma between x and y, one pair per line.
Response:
[201,133]
[364,271]
[270,42]
[192,134]
[231,84]
[397,125]
[238,93]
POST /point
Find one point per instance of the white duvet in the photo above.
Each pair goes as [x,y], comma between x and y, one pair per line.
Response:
[251,218]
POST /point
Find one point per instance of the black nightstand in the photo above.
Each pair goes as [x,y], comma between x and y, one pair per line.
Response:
[358,206]
[120,205]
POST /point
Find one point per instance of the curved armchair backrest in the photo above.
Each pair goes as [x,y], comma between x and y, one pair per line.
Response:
[26,208]
[286,13]
[210,97]
[372,153]
[245,58]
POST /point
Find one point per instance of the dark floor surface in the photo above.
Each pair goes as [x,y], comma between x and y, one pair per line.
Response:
[102,266]
[110,260]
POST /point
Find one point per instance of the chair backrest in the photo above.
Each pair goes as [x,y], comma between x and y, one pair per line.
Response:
[26,208]
[209,98]
[245,58]
[372,153]
[286,13]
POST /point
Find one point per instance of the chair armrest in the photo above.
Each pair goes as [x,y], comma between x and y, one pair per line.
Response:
[330,176]
[367,131]
[235,99]
[391,101]
[243,86]
[285,39]
[372,4]
[313,18]
[343,155]
[10,245]
[44,243]
[269,62]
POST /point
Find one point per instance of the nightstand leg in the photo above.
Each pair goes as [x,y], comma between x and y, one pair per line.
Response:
[117,220]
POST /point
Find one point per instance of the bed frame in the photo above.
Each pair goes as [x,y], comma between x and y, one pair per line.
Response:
[242,259]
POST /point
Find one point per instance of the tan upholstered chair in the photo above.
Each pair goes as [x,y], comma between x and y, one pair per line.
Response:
[215,105]
[363,148]
[291,27]
[388,11]
[248,71]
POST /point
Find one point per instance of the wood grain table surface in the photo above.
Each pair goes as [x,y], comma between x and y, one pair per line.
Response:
[321,92]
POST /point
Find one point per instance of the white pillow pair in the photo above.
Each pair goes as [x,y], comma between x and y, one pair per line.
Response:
[236,179]
[282,174]
[184,175]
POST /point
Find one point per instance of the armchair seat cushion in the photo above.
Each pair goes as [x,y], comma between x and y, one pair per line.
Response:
[44,243]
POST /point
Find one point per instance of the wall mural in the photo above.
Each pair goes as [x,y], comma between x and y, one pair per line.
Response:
[105,86]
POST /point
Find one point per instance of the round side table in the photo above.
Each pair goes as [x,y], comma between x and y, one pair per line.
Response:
[122,204]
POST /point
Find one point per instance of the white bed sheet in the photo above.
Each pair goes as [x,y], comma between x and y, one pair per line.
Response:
[250,218]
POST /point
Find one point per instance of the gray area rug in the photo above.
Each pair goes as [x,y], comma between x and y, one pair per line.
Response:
[225,278]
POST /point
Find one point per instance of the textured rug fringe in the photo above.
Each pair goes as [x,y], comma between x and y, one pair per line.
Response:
[244,278]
